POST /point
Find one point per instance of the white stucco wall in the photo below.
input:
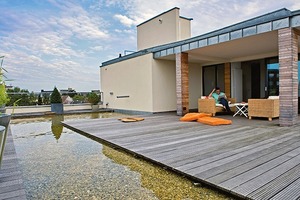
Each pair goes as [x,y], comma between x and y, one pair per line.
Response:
[162,29]
[164,86]
[133,78]
[149,83]
[184,29]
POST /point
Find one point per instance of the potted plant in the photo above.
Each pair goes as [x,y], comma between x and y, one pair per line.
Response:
[56,102]
[94,99]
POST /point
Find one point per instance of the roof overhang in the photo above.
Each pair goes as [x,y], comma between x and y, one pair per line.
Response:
[257,38]
[251,39]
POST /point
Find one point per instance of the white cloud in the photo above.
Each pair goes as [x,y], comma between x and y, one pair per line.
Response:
[125,20]
[207,15]
[64,44]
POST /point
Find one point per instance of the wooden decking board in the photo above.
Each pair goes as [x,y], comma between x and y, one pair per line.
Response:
[199,167]
[264,178]
[250,149]
[245,158]
[277,185]
[198,138]
[208,152]
[20,197]
[149,135]
[237,181]
[11,182]
[13,194]
[170,135]
[245,166]
[216,151]
[8,174]
[291,192]
[11,189]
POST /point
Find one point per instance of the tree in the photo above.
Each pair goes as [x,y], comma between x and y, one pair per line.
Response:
[55,96]
[79,98]
[46,99]
[40,99]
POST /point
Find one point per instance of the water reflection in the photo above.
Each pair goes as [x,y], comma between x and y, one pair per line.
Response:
[95,115]
[56,126]
[164,183]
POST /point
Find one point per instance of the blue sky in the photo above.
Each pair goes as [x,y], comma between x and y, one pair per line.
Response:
[62,43]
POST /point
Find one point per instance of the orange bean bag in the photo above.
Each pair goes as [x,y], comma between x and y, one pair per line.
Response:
[214,121]
[193,116]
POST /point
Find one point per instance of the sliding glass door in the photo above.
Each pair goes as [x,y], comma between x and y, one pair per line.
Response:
[213,76]
[272,80]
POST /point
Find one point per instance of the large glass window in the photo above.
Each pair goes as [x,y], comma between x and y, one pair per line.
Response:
[213,76]
[273,77]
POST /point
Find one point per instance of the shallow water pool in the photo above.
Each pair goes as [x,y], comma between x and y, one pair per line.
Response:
[58,163]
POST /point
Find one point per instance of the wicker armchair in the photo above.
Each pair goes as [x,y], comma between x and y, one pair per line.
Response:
[263,108]
[209,106]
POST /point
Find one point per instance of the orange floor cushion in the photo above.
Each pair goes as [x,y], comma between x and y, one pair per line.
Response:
[214,121]
[193,116]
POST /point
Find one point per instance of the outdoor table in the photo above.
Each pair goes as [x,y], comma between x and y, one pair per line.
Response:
[241,109]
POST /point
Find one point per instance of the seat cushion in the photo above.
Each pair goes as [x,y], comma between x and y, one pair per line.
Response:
[193,116]
[220,105]
[214,121]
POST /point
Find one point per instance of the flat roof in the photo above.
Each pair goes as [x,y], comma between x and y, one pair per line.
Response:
[175,8]
[275,20]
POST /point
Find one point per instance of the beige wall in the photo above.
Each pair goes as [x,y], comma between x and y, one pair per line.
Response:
[164,86]
[154,32]
[133,78]
[150,84]
[184,29]
[195,84]
[162,29]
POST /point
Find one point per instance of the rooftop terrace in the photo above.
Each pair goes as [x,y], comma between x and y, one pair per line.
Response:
[254,159]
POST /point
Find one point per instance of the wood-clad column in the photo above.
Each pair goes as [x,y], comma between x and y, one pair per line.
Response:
[288,76]
[227,79]
[182,83]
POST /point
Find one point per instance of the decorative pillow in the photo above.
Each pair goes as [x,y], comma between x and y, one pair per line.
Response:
[193,116]
[219,105]
[214,121]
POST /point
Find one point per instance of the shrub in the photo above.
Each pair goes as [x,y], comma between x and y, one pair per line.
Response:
[79,98]
[93,98]
[3,96]
[55,96]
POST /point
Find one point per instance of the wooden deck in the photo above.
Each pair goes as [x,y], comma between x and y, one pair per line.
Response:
[253,159]
[11,183]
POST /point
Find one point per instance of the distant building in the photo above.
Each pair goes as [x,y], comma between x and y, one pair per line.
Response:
[66,99]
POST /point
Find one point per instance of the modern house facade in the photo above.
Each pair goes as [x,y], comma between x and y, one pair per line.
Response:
[256,58]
